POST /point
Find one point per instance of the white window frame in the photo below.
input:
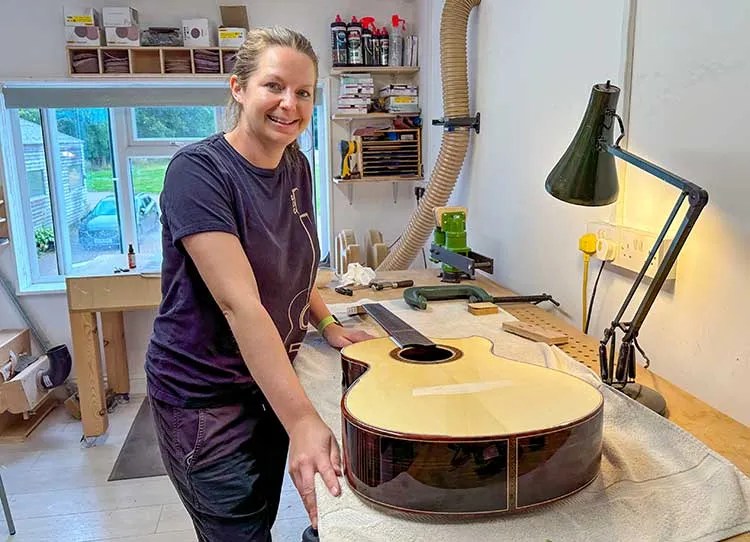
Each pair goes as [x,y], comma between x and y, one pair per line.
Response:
[124,147]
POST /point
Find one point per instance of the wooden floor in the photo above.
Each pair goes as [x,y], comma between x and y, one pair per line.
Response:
[59,490]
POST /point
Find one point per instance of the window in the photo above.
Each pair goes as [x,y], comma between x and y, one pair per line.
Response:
[37,180]
[173,123]
[87,180]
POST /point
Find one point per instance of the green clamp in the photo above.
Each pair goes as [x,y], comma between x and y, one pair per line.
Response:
[418,296]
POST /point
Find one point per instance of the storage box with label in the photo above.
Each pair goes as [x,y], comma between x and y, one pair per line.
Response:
[129,36]
[230,36]
[80,16]
[119,16]
[196,33]
[89,36]
[234,25]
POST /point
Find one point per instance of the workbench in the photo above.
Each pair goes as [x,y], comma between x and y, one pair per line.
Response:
[111,294]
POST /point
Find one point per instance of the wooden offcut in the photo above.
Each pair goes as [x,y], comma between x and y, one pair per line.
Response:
[535,333]
[483,307]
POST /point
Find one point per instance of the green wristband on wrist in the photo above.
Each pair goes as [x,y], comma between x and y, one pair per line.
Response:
[327,321]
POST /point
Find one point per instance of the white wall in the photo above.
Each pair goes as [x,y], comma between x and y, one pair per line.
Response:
[532,68]
[41,20]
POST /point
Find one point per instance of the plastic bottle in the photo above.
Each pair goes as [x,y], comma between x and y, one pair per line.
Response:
[367,48]
[396,55]
[384,46]
[339,42]
[375,46]
[131,256]
[354,42]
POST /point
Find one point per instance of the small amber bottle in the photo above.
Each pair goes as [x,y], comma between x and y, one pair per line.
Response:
[131,256]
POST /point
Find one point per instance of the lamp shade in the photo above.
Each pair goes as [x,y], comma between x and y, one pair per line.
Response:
[586,173]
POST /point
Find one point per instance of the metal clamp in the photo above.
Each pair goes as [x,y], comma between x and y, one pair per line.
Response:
[449,124]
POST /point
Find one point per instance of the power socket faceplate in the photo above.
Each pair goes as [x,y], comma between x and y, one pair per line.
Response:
[632,247]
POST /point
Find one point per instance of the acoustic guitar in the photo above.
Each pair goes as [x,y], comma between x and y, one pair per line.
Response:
[447,428]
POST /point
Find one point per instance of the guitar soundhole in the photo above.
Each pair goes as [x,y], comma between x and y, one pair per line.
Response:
[427,354]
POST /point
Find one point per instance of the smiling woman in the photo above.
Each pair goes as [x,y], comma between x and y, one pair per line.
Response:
[226,402]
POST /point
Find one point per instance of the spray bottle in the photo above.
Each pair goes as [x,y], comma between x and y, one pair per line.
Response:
[384,46]
[367,47]
[354,42]
[396,57]
[338,42]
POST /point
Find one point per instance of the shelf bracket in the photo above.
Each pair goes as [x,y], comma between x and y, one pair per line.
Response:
[350,193]
[395,192]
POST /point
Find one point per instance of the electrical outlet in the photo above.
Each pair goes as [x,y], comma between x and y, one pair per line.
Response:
[631,247]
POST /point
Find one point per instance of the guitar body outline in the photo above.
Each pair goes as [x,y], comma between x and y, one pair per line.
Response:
[450,439]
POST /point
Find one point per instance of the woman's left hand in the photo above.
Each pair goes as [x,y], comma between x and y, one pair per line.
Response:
[339,337]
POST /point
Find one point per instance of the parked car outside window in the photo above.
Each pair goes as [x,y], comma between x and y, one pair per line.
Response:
[100,227]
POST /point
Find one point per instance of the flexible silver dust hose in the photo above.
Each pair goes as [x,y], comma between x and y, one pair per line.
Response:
[454,76]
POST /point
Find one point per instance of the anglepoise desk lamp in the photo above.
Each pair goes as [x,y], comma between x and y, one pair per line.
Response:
[586,175]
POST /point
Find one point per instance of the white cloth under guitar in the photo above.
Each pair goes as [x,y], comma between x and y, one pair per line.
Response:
[657,483]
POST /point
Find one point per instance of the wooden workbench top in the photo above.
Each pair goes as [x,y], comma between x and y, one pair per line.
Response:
[718,431]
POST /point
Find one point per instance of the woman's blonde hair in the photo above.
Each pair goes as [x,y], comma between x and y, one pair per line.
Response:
[246,63]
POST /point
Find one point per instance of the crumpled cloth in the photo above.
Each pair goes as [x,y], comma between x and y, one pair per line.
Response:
[357,275]
[657,482]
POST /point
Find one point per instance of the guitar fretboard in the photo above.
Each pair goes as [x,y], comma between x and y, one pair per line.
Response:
[402,333]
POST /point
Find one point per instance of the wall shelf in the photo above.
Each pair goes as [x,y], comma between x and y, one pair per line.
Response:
[346,116]
[392,179]
[192,62]
[394,70]
[349,183]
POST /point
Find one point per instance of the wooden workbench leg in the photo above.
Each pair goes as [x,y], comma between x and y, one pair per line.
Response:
[88,369]
[115,353]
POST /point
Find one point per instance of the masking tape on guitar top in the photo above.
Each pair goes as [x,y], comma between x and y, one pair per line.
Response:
[459,389]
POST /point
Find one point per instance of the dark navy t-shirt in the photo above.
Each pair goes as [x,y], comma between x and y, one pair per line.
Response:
[193,359]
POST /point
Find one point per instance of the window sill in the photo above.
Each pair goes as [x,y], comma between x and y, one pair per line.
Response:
[44,288]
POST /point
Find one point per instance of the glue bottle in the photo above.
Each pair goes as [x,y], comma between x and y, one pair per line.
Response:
[384,46]
[131,256]
[339,42]
[354,42]
[375,46]
[367,37]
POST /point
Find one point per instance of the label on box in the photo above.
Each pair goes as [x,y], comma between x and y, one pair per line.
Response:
[195,32]
[123,35]
[83,20]
[76,16]
[232,37]
[83,35]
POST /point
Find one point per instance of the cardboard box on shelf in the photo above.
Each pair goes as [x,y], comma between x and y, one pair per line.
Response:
[119,16]
[76,16]
[196,33]
[230,36]
[129,36]
[88,36]
[234,25]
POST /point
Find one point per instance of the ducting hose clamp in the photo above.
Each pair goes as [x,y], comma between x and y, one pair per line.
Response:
[449,124]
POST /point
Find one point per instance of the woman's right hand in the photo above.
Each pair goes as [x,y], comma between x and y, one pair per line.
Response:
[313,448]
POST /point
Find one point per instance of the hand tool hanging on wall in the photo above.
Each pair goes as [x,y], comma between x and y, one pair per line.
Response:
[348,150]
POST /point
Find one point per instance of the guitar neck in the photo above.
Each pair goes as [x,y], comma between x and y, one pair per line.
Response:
[402,333]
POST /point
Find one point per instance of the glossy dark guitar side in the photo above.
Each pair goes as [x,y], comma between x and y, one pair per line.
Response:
[480,452]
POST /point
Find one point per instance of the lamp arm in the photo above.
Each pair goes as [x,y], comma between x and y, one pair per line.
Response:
[697,199]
